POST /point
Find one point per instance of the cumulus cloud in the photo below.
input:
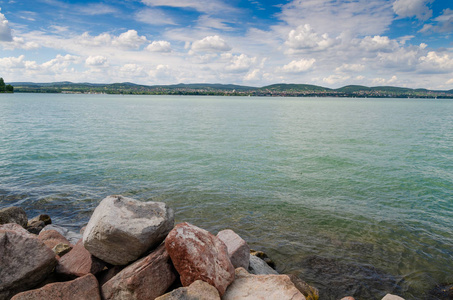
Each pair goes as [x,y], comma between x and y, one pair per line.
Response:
[383,81]
[129,40]
[5,31]
[436,63]
[304,37]
[86,39]
[12,62]
[299,66]
[240,63]
[96,61]
[411,8]
[378,43]
[210,44]
[332,79]
[159,46]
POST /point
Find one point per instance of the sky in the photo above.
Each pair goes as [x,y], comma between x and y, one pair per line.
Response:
[331,43]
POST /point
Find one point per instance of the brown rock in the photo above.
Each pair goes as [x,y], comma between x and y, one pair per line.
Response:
[35,227]
[79,262]
[146,278]
[61,249]
[13,214]
[85,288]
[310,293]
[51,238]
[269,287]
[238,250]
[198,290]
[199,255]
[42,218]
[24,262]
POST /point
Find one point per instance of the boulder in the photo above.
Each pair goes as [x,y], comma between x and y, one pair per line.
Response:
[71,236]
[392,297]
[25,261]
[146,278]
[310,293]
[238,250]
[51,238]
[264,257]
[79,262]
[269,287]
[199,290]
[122,229]
[35,227]
[41,218]
[258,266]
[85,287]
[16,228]
[61,249]
[199,255]
[13,214]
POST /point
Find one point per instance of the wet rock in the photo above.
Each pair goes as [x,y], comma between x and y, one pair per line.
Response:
[79,262]
[122,229]
[310,292]
[264,257]
[269,287]
[51,238]
[85,288]
[238,250]
[392,297]
[71,236]
[13,214]
[199,255]
[61,249]
[35,227]
[198,290]
[25,261]
[146,278]
[258,266]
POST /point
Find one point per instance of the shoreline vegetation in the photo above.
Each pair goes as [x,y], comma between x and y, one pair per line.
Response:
[275,90]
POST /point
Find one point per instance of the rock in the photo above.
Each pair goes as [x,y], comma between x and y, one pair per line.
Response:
[348,298]
[443,291]
[269,287]
[71,236]
[85,287]
[61,249]
[15,227]
[122,229]
[392,297]
[238,250]
[51,238]
[13,214]
[310,293]
[199,255]
[25,261]
[35,227]
[108,274]
[264,257]
[258,266]
[43,218]
[146,278]
[198,290]
[79,262]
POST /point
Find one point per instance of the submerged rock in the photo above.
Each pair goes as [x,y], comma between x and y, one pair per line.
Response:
[198,290]
[258,266]
[122,229]
[13,214]
[199,255]
[238,250]
[269,287]
[442,292]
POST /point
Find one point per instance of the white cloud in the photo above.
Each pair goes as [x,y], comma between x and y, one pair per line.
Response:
[129,40]
[449,81]
[240,63]
[86,39]
[332,79]
[253,75]
[12,62]
[96,9]
[383,81]
[304,37]
[5,31]
[411,8]
[207,6]
[350,68]
[159,46]
[205,21]
[435,63]
[443,23]
[154,17]
[299,66]
[378,43]
[210,44]
[96,61]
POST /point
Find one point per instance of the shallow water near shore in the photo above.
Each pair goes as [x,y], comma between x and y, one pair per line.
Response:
[353,195]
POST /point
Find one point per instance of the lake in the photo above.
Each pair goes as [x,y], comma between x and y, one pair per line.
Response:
[353,195]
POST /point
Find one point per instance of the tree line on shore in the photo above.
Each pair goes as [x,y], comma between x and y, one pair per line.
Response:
[5,88]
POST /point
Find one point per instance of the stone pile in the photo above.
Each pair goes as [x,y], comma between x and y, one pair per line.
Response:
[133,250]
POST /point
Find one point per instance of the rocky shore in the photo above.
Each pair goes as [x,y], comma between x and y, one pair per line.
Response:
[133,250]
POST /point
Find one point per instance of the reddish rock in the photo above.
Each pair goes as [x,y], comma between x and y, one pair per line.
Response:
[79,262]
[86,288]
[146,278]
[238,250]
[24,261]
[51,238]
[199,255]
[199,290]
[16,228]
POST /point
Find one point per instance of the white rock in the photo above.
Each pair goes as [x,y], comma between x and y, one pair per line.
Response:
[122,229]
[392,297]
[258,266]
[238,250]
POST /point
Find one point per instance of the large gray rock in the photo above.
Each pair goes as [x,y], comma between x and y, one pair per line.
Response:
[24,262]
[86,288]
[71,236]
[238,250]
[13,214]
[269,287]
[198,290]
[122,229]
[258,266]
[145,279]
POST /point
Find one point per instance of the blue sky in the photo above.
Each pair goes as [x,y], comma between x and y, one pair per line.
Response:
[330,43]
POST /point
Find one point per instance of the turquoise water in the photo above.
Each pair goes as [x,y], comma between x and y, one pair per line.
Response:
[353,195]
